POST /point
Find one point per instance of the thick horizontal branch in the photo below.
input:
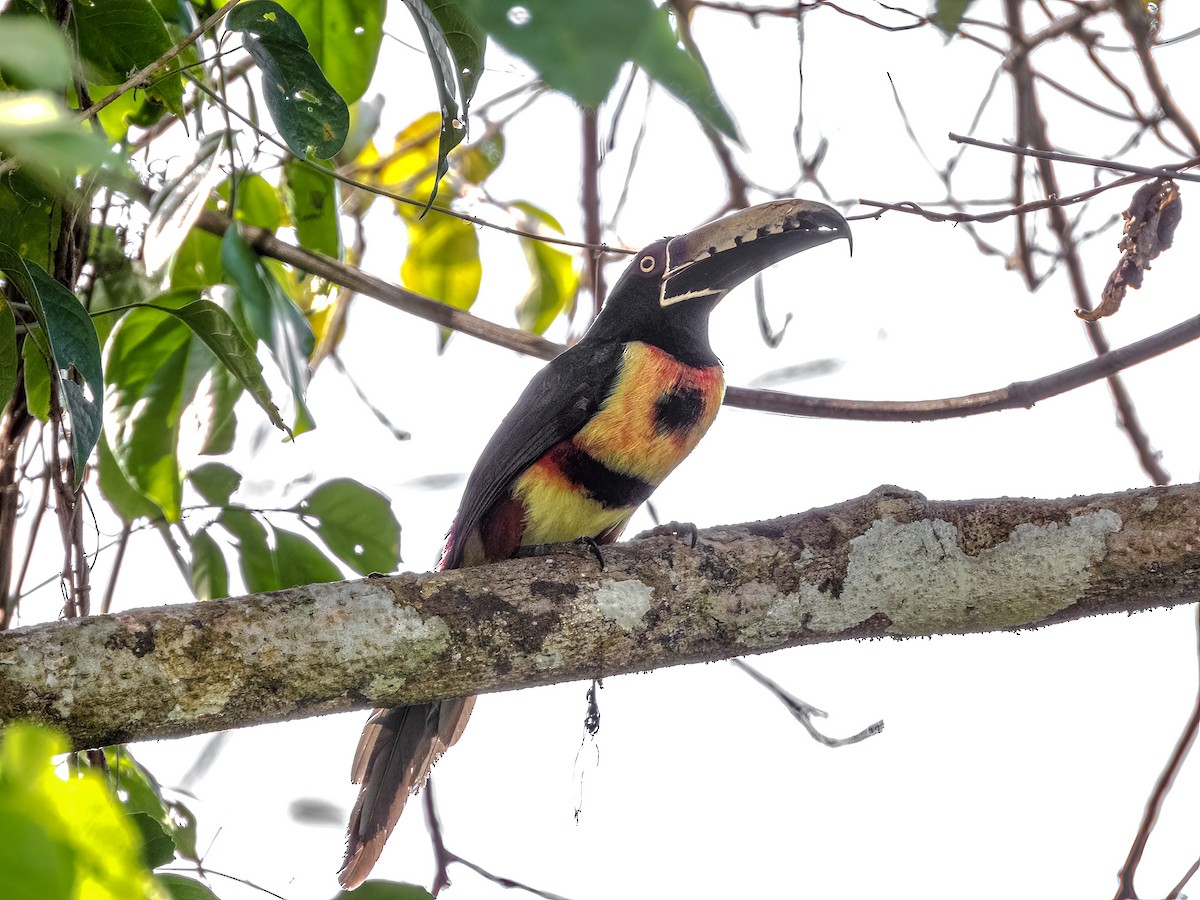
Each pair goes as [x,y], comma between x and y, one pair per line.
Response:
[1018,395]
[888,564]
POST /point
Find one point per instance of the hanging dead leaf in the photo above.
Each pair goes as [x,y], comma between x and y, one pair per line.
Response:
[1149,230]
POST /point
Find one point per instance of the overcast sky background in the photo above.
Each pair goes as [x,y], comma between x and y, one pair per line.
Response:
[1009,764]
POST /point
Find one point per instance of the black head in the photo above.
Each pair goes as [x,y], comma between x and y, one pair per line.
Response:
[667,292]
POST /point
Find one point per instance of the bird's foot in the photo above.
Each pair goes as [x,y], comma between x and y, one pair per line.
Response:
[588,544]
[592,547]
[672,529]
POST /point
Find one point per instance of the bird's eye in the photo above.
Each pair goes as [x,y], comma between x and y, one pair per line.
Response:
[647,264]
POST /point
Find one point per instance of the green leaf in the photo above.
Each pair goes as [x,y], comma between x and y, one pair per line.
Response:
[182,819]
[356,523]
[139,788]
[62,838]
[378,889]
[300,562]
[215,482]
[197,263]
[37,377]
[37,130]
[73,346]
[208,574]
[157,847]
[257,202]
[178,203]
[117,37]
[273,317]
[255,557]
[149,386]
[479,160]
[447,80]
[127,501]
[310,115]
[442,261]
[29,216]
[467,43]
[180,887]
[344,37]
[34,53]
[8,351]
[312,201]
[948,14]
[216,329]
[219,394]
[554,282]
[579,48]
[657,51]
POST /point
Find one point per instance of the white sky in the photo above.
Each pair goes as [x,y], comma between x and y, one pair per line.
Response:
[1011,765]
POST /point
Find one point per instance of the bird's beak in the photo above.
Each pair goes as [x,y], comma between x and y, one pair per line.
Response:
[717,257]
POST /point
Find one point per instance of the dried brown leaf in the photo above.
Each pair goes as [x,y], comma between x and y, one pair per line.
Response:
[1149,230]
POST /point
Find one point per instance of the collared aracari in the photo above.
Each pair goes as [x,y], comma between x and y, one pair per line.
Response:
[592,436]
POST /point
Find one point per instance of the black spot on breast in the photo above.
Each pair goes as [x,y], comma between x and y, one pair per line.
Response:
[678,411]
[608,487]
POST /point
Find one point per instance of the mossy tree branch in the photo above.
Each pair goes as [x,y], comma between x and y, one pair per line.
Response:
[888,564]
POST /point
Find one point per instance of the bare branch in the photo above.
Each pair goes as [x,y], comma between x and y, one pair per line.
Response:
[1018,395]
[888,564]
[1175,171]
[1154,804]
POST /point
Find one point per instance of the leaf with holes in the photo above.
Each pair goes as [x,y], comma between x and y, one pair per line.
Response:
[300,562]
[311,116]
[356,523]
[447,75]
[344,37]
[73,346]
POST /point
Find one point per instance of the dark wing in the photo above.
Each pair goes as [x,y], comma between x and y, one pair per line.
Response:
[559,401]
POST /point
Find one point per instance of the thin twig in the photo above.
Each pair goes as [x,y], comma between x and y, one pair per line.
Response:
[1177,891]
[589,200]
[1033,131]
[1125,889]
[140,76]
[804,713]
[1142,43]
[445,858]
[988,218]
[110,590]
[1175,171]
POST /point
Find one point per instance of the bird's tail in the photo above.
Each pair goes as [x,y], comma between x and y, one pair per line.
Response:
[395,753]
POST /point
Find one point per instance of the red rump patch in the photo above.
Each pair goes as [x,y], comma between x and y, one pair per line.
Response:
[501,528]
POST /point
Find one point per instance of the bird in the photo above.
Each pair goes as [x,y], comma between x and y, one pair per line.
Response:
[587,442]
